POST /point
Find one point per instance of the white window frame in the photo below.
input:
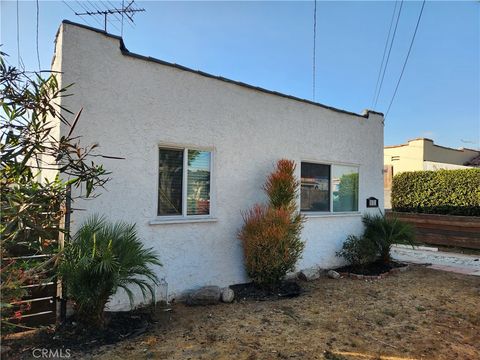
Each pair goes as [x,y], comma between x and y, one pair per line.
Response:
[174,219]
[330,212]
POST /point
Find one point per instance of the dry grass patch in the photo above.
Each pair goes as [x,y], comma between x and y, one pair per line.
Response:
[419,314]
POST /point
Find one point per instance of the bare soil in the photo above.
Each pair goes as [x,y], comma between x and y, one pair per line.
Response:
[418,314]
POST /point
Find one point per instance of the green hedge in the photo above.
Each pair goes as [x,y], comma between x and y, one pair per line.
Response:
[453,192]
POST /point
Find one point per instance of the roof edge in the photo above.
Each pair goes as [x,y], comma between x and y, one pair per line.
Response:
[365,114]
[462,149]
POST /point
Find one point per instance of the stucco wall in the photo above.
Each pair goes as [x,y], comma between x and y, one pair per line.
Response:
[131,106]
[440,154]
[408,157]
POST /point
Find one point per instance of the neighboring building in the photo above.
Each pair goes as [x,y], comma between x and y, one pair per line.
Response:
[197,149]
[423,154]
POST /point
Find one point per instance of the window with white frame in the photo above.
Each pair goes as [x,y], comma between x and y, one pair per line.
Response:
[328,188]
[184,179]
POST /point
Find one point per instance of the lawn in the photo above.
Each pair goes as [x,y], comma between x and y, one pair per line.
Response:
[418,314]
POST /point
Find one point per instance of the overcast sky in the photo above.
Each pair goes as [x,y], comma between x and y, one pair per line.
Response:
[270,44]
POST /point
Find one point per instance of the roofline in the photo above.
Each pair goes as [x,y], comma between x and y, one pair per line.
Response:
[462,149]
[124,51]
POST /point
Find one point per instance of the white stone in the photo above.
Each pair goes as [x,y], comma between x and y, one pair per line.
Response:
[309,274]
[333,274]
[227,295]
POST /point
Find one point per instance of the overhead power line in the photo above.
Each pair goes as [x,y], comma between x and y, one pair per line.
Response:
[388,55]
[406,59]
[38,53]
[19,57]
[384,52]
[129,11]
[314,48]
[81,17]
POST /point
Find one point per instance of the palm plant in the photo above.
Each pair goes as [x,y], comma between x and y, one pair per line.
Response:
[101,258]
[383,232]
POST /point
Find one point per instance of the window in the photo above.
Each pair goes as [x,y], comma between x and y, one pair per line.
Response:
[345,188]
[327,188]
[184,182]
[315,187]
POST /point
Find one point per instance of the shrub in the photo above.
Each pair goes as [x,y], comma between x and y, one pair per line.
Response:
[102,258]
[358,251]
[453,192]
[379,235]
[383,232]
[32,206]
[271,248]
[271,234]
[282,186]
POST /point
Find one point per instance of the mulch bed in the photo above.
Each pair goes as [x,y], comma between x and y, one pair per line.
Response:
[250,291]
[120,326]
[374,270]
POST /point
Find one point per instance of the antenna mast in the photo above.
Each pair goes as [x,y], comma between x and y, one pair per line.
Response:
[129,11]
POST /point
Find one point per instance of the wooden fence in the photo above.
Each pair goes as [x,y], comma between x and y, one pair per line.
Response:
[449,230]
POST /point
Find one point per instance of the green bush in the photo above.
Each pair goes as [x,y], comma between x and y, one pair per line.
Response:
[383,232]
[358,251]
[102,258]
[452,192]
[271,234]
[378,237]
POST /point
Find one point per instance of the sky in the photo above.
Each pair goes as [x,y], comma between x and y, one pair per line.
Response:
[270,44]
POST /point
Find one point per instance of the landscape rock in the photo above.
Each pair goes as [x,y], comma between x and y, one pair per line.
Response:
[207,295]
[333,274]
[228,295]
[309,274]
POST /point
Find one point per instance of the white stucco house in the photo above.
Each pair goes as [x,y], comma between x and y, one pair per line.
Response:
[197,149]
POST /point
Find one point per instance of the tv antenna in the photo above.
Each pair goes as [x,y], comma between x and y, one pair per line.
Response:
[129,11]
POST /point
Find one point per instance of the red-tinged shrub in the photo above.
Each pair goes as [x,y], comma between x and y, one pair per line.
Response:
[271,234]
[282,185]
[270,244]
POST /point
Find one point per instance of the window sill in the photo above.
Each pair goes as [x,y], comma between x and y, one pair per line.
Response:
[181,220]
[330,214]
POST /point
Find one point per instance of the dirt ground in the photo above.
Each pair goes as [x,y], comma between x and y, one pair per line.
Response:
[418,314]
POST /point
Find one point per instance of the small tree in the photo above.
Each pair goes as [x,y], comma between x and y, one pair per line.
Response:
[383,232]
[32,205]
[101,258]
[271,234]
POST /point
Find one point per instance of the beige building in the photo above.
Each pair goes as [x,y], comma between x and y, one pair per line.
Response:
[423,154]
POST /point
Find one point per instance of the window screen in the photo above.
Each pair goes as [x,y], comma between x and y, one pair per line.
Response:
[198,183]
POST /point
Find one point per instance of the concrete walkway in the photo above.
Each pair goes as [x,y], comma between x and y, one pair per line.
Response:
[447,261]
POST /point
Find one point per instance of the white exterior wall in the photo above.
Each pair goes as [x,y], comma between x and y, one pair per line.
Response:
[131,106]
[432,165]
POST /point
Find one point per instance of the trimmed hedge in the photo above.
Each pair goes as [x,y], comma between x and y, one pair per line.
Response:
[451,192]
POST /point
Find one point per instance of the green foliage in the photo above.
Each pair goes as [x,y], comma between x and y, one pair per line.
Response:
[380,233]
[271,235]
[271,244]
[453,192]
[31,205]
[358,251]
[102,258]
[383,232]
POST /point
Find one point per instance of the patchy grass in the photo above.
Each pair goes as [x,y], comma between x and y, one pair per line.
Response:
[419,314]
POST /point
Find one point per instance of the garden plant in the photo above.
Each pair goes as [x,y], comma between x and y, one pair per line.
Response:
[101,258]
[380,233]
[271,234]
[32,204]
